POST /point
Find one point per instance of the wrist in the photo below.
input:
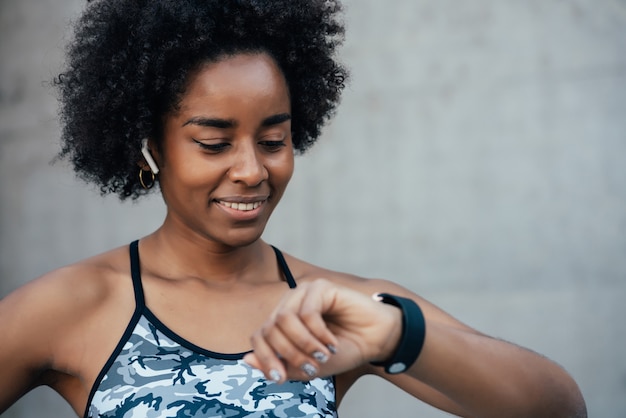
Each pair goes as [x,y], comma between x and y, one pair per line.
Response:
[405,343]
[391,324]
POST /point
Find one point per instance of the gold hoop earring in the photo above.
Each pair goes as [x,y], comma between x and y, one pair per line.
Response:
[152,179]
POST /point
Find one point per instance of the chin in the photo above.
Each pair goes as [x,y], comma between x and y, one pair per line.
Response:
[242,238]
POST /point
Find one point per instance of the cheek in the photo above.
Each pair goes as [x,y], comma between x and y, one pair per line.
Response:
[283,169]
[188,174]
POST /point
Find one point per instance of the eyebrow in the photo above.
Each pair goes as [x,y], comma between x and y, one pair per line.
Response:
[230,123]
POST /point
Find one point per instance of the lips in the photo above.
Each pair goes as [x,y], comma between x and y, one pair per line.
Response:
[241,206]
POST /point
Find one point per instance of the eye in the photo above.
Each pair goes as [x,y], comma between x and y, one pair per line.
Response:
[213,147]
[272,145]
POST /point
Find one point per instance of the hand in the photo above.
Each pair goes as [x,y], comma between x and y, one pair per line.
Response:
[320,329]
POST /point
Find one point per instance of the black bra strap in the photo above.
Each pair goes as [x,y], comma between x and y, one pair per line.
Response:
[135,273]
[285,268]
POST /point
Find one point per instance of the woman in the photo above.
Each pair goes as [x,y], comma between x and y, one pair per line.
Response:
[207,101]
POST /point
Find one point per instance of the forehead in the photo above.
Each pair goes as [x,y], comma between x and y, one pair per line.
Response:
[246,77]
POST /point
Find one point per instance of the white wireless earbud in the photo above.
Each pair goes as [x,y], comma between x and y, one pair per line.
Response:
[146,154]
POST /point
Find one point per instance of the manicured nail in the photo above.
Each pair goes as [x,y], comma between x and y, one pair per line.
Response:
[320,357]
[275,375]
[332,349]
[309,369]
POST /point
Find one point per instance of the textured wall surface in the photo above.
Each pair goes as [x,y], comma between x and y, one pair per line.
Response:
[478,158]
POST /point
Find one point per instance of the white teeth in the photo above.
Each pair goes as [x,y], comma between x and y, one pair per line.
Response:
[241,206]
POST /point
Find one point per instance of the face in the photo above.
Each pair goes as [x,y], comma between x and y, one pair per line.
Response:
[227,154]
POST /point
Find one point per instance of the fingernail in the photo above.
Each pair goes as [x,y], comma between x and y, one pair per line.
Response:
[332,349]
[309,369]
[275,375]
[319,356]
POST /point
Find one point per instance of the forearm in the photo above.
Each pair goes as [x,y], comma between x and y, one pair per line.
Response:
[493,378]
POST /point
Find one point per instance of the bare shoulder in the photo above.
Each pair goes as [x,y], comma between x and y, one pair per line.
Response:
[304,271]
[39,315]
[71,288]
[62,297]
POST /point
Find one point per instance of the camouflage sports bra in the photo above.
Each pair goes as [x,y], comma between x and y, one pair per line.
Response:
[154,373]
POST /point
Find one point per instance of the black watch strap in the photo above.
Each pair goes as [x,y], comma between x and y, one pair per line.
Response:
[412,338]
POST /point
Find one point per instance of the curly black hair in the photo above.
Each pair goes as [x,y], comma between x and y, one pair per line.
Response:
[129,62]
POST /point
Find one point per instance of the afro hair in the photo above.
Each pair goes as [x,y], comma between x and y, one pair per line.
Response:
[129,61]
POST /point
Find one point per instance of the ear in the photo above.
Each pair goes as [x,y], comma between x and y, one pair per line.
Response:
[148,157]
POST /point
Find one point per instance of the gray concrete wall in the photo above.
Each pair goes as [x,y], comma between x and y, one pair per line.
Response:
[477,158]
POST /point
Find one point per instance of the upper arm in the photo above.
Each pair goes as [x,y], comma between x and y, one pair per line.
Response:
[24,353]
[33,320]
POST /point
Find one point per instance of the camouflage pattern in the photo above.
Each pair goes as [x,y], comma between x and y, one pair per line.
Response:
[156,374]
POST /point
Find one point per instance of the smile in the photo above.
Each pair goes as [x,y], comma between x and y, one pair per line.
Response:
[241,206]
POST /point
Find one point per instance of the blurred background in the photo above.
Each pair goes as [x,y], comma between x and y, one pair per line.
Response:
[478,158]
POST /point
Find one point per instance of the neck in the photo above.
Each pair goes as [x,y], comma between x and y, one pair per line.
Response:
[175,255]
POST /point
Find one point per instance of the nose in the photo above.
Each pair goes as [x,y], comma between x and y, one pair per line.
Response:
[247,166]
